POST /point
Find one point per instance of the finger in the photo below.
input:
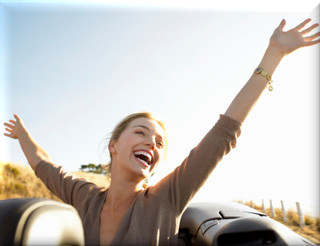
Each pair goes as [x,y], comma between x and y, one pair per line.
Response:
[312,42]
[282,24]
[8,129]
[302,25]
[16,117]
[12,121]
[9,135]
[309,29]
[9,125]
[310,38]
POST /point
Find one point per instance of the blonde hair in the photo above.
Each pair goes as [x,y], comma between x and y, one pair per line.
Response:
[123,124]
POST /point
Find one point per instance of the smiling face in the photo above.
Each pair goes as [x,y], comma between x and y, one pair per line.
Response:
[139,148]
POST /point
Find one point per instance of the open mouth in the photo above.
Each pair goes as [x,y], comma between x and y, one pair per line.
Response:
[143,156]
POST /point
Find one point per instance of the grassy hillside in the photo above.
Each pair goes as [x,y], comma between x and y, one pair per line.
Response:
[19,181]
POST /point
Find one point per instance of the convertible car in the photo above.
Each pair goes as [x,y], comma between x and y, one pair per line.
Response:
[35,221]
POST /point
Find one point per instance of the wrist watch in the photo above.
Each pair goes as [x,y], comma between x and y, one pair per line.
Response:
[259,70]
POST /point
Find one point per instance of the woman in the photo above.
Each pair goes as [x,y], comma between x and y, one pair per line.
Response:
[126,213]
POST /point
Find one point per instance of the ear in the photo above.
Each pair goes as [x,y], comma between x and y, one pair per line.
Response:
[111,147]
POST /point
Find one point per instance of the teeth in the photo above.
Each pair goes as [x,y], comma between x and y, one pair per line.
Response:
[145,154]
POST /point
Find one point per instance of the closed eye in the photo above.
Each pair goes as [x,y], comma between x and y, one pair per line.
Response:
[160,145]
[140,133]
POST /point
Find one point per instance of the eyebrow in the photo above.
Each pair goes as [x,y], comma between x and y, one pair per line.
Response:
[145,127]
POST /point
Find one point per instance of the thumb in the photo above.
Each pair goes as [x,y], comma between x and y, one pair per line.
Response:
[282,24]
[17,117]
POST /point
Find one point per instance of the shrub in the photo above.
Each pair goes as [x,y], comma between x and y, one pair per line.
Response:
[308,220]
[19,187]
[293,218]
[278,214]
[318,224]
[13,170]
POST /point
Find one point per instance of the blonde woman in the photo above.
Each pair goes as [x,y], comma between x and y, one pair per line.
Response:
[128,214]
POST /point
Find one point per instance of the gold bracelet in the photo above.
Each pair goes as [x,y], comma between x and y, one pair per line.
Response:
[259,70]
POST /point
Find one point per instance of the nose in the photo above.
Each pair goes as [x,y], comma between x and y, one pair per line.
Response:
[151,142]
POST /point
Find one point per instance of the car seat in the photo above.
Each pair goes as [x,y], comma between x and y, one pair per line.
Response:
[35,221]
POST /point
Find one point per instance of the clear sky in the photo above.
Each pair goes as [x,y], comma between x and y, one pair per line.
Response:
[73,71]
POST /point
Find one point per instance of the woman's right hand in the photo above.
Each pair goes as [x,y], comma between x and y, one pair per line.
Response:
[33,152]
[14,127]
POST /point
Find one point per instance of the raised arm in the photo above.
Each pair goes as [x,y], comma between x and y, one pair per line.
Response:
[33,152]
[64,185]
[281,44]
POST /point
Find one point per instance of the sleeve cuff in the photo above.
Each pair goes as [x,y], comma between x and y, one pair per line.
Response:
[229,123]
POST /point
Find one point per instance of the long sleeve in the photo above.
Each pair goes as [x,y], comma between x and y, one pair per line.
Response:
[70,189]
[85,196]
[179,187]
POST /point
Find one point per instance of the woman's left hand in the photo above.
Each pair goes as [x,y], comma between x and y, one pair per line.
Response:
[286,42]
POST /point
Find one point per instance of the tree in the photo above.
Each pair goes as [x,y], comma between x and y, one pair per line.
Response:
[93,168]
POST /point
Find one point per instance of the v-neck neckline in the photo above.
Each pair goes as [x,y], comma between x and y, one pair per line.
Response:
[124,216]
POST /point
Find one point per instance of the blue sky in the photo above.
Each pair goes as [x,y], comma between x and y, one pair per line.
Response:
[73,72]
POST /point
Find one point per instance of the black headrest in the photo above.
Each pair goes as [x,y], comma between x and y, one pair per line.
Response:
[35,221]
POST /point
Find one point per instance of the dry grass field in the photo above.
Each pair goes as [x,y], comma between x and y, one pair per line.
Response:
[19,181]
[311,231]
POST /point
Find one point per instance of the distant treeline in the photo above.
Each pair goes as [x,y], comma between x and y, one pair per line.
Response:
[93,168]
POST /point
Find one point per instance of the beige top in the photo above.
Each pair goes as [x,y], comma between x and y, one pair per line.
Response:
[154,216]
